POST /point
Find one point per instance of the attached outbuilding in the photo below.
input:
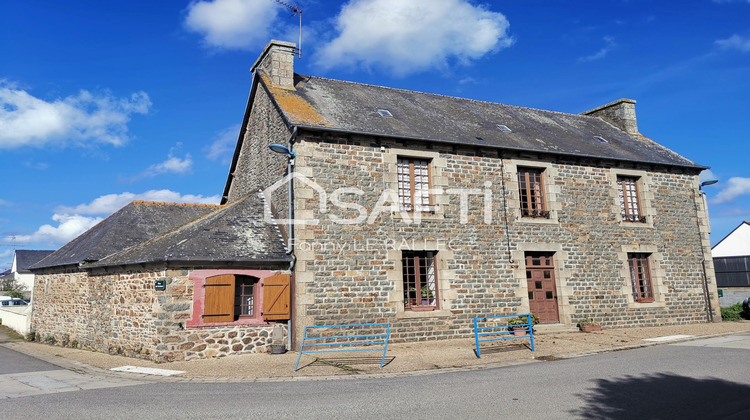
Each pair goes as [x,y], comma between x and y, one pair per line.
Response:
[167,282]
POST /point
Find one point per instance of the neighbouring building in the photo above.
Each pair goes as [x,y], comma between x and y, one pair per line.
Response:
[732,265]
[19,269]
[388,205]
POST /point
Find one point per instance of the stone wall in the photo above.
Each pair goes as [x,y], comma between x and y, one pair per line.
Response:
[257,166]
[121,313]
[352,273]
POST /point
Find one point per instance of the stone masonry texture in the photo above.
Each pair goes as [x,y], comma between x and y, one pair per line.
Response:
[121,313]
[351,273]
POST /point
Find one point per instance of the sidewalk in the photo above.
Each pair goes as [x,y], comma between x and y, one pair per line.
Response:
[401,359]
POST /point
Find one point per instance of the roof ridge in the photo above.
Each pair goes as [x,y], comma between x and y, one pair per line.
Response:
[149,202]
[445,96]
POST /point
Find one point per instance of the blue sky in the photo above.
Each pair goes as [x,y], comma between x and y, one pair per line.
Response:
[102,102]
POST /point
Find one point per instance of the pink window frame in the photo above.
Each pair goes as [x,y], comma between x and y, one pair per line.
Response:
[199,297]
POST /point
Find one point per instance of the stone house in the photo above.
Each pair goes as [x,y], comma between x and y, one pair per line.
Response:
[416,209]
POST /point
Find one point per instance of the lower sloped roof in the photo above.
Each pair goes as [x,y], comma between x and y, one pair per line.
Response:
[133,224]
[234,233]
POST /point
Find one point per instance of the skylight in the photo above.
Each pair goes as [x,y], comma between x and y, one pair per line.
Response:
[504,128]
[601,139]
[385,113]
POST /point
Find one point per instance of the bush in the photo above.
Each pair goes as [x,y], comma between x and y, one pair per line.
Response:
[732,313]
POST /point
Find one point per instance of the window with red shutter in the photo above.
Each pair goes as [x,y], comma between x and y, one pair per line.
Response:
[277,298]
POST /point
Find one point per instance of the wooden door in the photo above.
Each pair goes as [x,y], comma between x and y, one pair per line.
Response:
[540,277]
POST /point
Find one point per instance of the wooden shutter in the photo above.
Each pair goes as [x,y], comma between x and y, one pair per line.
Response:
[276,298]
[218,305]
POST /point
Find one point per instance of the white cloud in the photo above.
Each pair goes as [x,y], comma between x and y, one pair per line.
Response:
[73,221]
[78,120]
[410,36]
[734,212]
[173,164]
[705,175]
[223,145]
[735,42]
[68,227]
[108,204]
[239,24]
[609,44]
[735,187]
[40,166]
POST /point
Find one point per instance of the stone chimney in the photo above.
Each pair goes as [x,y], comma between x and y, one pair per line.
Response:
[277,61]
[620,113]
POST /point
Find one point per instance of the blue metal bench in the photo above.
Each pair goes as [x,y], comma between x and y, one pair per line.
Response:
[500,331]
[342,342]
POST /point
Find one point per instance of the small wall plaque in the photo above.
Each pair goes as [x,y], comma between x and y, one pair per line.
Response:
[160,285]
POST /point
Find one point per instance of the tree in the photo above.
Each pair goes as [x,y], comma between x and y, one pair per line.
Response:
[11,287]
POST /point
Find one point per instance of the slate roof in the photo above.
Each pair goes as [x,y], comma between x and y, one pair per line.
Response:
[6,274]
[135,223]
[334,105]
[234,233]
[25,258]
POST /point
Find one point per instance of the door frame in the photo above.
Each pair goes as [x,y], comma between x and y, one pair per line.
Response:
[551,270]
[561,277]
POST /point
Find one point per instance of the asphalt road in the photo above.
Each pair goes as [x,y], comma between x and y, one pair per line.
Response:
[702,379]
[25,376]
[14,362]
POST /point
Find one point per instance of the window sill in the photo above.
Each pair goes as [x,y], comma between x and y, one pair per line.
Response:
[646,305]
[435,214]
[645,301]
[552,220]
[421,308]
[437,313]
[636,225]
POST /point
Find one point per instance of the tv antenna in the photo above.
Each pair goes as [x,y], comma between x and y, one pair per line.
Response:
[12,242]
[294,8]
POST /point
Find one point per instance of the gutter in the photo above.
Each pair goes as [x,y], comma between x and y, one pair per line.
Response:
[706,291]
[290,239]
